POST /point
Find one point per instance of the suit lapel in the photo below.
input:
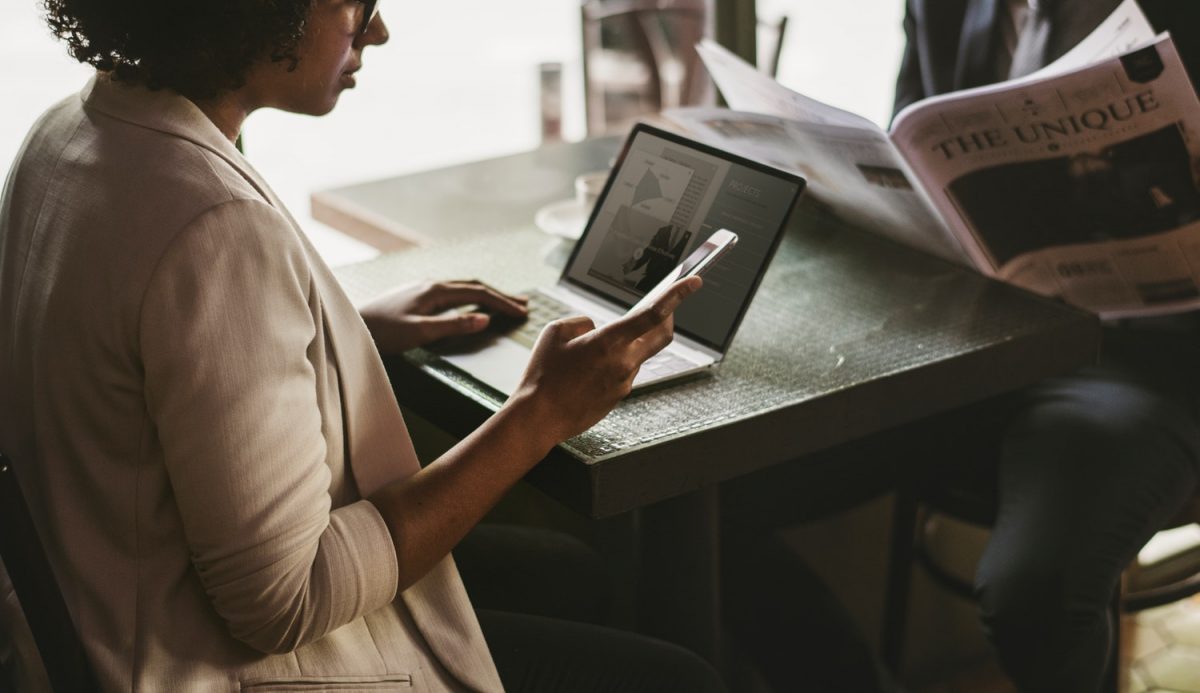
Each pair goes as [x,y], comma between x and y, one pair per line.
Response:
[976,44]
[1072,21]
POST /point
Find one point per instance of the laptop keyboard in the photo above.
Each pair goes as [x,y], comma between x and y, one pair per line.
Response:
[544,309]
[662,365]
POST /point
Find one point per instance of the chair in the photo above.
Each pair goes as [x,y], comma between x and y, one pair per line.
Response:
[639,57]
[770,36]
[45,611]
[917,512]
[1150,585]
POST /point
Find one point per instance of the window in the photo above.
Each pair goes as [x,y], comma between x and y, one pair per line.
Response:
[835,66]
[457,81]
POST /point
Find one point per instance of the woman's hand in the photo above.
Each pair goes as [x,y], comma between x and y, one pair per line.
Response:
[578,372]
[414,316]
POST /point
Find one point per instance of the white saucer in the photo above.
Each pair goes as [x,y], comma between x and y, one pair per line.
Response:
[565,218]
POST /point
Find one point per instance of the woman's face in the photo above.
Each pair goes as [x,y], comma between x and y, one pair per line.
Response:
[330,52]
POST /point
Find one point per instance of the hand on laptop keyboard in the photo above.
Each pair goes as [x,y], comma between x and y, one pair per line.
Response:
[579,372]
[414,316]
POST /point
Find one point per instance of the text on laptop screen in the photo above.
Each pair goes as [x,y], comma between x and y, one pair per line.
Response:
[668,198]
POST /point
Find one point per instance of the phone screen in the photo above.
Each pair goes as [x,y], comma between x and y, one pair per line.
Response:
[697,262]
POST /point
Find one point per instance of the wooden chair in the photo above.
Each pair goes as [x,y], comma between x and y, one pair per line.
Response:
[41,600]
[639,57]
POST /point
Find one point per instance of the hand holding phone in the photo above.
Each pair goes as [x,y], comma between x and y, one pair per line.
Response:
[696,263]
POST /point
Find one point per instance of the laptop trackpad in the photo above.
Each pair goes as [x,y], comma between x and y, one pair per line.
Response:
[500,365]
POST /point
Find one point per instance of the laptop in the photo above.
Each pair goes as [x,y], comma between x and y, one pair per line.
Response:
[665,196]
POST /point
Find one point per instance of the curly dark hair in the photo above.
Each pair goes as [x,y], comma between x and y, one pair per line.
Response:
[198,48]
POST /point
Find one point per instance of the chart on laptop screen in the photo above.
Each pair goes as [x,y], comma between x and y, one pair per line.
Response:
[667,199]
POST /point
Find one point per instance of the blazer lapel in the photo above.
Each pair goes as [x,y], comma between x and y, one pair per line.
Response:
[377,440]
[380,452]
[447,621]
[976,44]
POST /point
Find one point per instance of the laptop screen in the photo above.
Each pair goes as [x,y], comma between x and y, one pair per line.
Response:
[666,196]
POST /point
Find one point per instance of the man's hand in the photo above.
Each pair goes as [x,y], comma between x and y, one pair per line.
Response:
[578,373]
[414,316]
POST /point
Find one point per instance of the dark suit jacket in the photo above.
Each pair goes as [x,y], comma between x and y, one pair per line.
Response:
[951,42]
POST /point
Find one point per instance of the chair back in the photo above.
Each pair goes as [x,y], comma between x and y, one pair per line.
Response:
[639,57]
[45,611]
[770,35]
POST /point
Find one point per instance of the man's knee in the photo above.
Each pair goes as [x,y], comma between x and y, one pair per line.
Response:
[1106,424]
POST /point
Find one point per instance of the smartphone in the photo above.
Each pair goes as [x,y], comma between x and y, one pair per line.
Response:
[697,263]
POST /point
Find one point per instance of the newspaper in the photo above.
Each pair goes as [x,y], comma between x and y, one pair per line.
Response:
[1078,181]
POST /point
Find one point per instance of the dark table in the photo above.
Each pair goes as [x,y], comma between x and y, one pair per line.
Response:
[849,335]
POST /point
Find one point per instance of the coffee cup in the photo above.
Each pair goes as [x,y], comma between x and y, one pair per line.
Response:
[588,187]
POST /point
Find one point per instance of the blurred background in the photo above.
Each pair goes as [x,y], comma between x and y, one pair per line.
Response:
[458,81]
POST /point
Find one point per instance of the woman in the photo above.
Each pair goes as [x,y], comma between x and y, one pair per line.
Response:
[201,419]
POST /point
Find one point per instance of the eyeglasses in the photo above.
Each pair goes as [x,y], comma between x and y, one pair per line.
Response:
[370,9]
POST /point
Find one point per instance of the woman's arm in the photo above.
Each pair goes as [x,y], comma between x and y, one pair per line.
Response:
[577,375]
[226,338]
[227,343]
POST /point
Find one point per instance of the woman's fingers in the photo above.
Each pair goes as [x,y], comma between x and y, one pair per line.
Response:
[567,329]
[433,328]
[453,294]
[578,372]
[632,326]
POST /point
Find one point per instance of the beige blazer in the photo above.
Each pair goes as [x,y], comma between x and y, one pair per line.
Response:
[195,411]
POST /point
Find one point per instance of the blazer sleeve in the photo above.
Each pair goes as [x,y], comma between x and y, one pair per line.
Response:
[226,326]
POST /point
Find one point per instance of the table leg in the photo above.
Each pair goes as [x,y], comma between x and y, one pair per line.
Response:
[679,597]
[899,579]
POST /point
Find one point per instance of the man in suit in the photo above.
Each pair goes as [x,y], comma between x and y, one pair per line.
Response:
[1092,464]
[958,44]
